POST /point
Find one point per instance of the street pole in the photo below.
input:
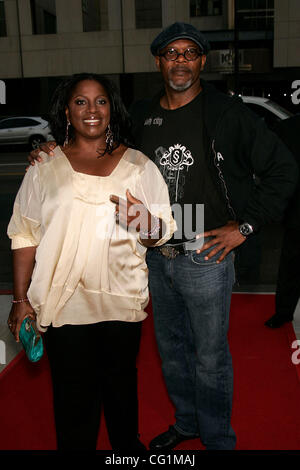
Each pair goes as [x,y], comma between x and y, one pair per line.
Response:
[22,87]
[122,37]
[236,50]
[20,40]
[126,79]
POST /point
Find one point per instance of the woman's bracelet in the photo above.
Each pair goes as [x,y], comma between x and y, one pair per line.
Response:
[19,301]
[154,230]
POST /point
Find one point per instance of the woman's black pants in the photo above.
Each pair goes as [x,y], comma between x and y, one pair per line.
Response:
[94,365]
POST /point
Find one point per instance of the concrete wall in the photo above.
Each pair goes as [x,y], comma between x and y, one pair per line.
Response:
[287,33]
[71,50]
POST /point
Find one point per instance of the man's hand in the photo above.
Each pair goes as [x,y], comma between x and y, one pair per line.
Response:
[226,238]
[46,147]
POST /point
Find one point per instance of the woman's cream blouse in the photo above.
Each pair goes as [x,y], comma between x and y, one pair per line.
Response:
[88,269]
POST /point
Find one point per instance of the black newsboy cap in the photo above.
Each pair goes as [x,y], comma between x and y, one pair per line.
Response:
[179,31]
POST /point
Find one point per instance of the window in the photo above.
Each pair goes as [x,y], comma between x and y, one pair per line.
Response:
[18,122]
[6,124]
[255,15]
[43,14]
[2,19]
[27,122]
[148,14]
[91,15]
[205,7]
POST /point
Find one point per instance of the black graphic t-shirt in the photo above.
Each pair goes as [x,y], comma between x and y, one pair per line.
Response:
[173,139]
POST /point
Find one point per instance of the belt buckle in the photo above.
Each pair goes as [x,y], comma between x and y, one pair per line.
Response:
[169,252]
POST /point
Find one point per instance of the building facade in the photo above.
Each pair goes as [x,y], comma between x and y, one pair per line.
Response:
[44,40]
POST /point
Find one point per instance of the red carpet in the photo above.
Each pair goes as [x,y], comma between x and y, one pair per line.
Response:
[266,411]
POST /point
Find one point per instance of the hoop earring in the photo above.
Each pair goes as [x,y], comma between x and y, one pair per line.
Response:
[67,134]
[109,138]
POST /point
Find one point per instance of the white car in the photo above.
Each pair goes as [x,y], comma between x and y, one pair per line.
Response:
[267,109]
[24,130]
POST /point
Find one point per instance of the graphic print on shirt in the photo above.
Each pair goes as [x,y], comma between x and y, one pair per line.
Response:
[173,163]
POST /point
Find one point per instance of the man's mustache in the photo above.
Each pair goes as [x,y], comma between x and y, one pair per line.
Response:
[180,69]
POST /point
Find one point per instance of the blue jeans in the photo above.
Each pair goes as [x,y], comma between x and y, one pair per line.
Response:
[191,303]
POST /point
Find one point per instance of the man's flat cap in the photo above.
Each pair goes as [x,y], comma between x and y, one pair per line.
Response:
[179,31]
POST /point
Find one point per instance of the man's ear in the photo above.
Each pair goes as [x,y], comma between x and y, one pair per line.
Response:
[157,62]
[203,61]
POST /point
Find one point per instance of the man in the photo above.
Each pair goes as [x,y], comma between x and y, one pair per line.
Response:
[207,146]
[288,281]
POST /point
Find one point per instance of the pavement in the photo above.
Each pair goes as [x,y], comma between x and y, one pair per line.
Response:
[13,161]
[8,346]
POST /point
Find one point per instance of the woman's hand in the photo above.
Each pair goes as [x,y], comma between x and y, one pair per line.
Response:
[23,264]
[131,212]
[17,314]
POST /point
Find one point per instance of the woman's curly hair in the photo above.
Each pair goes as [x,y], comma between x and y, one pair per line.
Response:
[120,122]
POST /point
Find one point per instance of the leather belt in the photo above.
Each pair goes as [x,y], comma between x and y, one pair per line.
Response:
[171,251]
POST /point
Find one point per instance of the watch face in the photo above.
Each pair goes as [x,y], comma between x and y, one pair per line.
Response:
[245,229]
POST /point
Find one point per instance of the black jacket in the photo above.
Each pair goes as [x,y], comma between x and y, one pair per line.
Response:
[238,146]
[289,132]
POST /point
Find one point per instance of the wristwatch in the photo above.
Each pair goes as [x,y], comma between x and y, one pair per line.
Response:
[245,229]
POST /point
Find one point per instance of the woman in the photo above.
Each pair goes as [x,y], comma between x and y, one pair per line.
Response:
[79,269]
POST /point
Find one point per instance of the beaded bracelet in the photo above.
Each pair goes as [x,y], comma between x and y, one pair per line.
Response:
[19,301]
[154,230]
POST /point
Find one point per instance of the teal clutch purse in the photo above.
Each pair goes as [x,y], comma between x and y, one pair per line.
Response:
[31,340]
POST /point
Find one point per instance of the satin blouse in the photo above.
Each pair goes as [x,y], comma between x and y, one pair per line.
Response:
[88,268]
